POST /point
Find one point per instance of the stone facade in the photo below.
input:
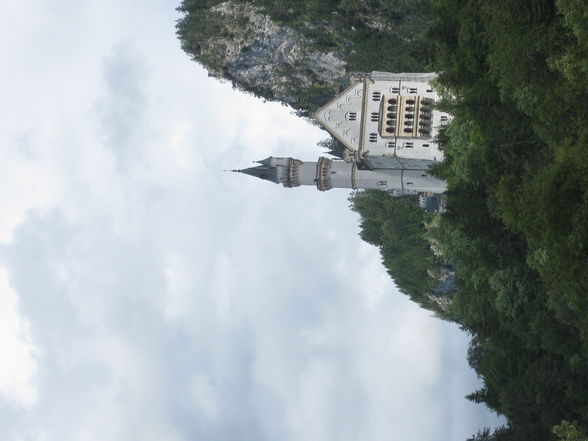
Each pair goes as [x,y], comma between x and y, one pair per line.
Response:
[388,124]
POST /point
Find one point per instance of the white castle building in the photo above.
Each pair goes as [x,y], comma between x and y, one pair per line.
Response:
[387,124]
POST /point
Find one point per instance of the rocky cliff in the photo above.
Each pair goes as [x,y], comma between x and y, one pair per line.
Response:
[267,58]
[297,52]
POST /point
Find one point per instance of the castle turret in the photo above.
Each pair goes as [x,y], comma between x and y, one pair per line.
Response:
[329,173]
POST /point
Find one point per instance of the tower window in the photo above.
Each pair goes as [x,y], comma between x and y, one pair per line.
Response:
[376,96]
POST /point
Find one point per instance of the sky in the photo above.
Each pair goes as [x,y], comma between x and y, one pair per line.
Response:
[146,294]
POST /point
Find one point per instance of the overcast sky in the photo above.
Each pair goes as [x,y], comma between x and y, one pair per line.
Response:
[147,295]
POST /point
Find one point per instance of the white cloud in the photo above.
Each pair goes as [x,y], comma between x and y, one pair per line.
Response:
[18,367]
[165,298]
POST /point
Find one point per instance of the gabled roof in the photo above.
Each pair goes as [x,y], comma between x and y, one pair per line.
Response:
[337,115]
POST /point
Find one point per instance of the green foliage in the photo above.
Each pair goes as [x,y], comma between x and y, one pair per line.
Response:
[569,431]
[517,167]
[397,227]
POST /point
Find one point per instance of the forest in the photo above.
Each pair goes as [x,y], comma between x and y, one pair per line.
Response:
[514,73]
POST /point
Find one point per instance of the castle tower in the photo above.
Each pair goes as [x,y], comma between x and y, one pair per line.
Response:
[387,124]
[327,173]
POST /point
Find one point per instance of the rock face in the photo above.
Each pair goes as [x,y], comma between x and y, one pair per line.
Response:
[266,58]
[446,282]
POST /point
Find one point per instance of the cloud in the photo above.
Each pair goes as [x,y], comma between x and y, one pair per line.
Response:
[153,296]
[18,368]
[121,109]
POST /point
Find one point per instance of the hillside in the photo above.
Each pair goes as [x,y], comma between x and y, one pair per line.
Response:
[517,221]
[515,76]
[301,52]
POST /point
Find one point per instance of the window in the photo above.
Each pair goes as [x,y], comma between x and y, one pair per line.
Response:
[352,116]
[376,96]
[429,90]
[391,144]
[425,145]
[373,137]
[395,90]
[443,118]
[375,116]
[382,182]
[408,145]
[412,90]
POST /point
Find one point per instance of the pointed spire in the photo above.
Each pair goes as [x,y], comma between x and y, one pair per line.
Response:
[261,172]
[265,162]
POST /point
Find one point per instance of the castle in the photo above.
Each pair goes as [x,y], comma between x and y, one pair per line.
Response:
[387,125]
